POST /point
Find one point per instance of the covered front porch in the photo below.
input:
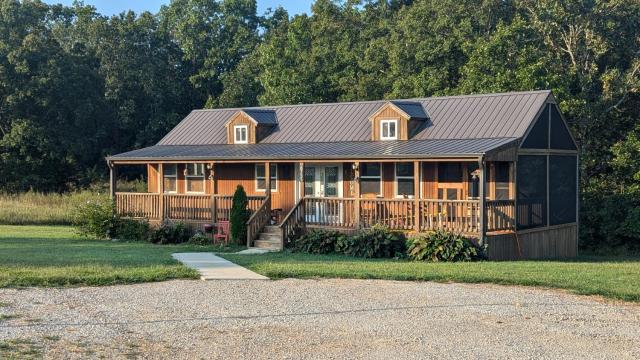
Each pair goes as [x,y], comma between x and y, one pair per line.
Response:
[474,197]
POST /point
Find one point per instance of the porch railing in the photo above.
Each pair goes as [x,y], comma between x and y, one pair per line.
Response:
[456,215]
[330,212]
[192,207]
[397,214]
[293,223]
[501,215]
[258,220]
[138,205]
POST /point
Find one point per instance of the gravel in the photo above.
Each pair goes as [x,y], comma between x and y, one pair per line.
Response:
[305,319]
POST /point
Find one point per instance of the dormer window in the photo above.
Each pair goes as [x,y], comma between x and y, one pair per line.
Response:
[388,129]
[240,134]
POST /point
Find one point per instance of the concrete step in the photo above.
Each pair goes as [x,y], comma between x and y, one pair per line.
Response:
[269,236]
[271,229]
[267,244]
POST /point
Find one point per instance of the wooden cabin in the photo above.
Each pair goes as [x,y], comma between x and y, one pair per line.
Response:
[501,168]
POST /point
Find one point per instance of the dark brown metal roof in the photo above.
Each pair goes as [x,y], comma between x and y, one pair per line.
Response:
[416,149]
[505,115]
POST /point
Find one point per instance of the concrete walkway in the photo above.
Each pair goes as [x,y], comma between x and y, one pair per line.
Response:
[212,267]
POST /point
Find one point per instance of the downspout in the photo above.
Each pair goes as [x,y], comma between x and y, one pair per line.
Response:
[482,192]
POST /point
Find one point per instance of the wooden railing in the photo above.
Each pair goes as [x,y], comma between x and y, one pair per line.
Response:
[187,207]
[258,220]
[330,212]
[293,223]
[455,215]
[500,215]
[138,205]
[397,214]
[222,205]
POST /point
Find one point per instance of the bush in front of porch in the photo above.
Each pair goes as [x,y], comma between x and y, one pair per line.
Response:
[239,215]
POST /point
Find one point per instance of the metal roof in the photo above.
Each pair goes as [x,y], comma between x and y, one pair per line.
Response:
[322,151]
[506,115]
[412,108]
[262,116]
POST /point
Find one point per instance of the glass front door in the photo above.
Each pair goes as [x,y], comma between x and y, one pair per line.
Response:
[322,181]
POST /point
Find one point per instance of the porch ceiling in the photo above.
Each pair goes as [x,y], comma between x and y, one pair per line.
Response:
[352,150]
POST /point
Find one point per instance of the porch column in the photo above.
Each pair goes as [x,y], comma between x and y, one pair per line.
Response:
[161,189]
[356,194]
[301,183]
[416,195]
[267,186]
[483,201]
[113,175]
[212,176]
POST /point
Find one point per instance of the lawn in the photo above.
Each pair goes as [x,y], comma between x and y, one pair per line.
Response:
[56,256]
[616,278]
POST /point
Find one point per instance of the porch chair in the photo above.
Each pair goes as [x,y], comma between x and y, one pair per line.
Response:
[222,232]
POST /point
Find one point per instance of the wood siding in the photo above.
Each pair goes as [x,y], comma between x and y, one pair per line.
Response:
[388,112]
[241,119]
[153,178]
[229,176]
[543,243]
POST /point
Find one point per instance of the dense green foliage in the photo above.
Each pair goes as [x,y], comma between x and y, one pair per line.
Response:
[442,246]
[317,242]
[76,86]
[376,242]
[239,215]
[96,218]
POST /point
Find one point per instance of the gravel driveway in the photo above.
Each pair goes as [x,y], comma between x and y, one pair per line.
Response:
[315,319]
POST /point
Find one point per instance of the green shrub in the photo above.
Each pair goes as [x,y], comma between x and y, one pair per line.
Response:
[317,242]
[376,242]
[200,239]
[610,221]
[442,246]
[170,233]
[132,230]
[96,218]
[239,216]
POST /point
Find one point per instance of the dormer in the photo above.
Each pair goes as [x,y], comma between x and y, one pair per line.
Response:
[397,120]
[249,126]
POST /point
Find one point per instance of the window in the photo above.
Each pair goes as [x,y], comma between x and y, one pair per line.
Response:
[473,180]
[370,176]
[240,134]
[194,174]
[532,191]
[388,129]
[404,180]
[169,178]
[449,172]
[261,184]
[501,171]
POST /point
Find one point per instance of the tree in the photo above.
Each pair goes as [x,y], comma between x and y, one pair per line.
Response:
[239,216]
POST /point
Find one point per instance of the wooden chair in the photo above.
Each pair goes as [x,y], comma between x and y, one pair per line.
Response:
[222,232]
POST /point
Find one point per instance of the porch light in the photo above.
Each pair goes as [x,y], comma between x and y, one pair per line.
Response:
[354,166]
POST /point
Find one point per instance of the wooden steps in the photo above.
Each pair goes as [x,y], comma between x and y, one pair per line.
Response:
[269,238]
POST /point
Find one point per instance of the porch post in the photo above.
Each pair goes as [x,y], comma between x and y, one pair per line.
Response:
[161,188]
[267,186]
[301,182]
[482,192]
[212,175]
[416,195]
[112,180]
[356,194]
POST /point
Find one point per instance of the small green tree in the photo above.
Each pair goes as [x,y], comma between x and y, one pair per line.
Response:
[239,215]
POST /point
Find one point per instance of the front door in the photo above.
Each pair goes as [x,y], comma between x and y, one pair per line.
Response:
[322,181]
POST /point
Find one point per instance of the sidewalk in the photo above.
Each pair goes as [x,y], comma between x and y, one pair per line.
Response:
[212,267]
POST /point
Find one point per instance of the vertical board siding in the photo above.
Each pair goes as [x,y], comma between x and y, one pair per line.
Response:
[389,113]
[241,119]
[546,243]
[152,178]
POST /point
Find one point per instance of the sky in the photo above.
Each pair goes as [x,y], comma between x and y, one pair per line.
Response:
[111,7]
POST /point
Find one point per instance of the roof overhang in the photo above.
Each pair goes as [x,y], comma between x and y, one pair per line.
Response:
[339,151]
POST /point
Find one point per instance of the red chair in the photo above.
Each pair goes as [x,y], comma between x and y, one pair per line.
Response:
[222,232]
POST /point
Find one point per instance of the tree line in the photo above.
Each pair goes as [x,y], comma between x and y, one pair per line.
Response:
[76,86]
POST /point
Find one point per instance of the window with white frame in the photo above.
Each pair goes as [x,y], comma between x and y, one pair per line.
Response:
[240,134]
[388,129]
[194,174]
[170,178]
[405,180]
[261,183]
[370,179]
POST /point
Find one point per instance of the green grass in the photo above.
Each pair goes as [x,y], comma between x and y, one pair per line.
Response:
[41,209]
[616,278]
[56,256]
